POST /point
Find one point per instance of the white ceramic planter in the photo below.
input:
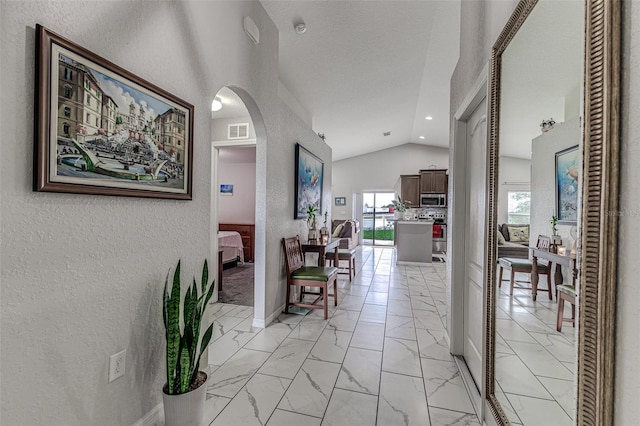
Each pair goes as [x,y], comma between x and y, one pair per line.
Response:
[186,409]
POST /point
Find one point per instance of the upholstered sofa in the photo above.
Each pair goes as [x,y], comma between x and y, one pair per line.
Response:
[516,245]
[347,230]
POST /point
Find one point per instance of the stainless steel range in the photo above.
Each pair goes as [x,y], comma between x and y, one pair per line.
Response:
[439,230]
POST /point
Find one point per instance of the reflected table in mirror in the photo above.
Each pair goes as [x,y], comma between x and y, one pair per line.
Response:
[317,246]
[554,258]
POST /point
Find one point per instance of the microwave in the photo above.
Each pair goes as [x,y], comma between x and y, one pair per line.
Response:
[433,200]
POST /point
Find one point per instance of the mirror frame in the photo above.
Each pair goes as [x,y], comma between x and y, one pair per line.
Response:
[597,246]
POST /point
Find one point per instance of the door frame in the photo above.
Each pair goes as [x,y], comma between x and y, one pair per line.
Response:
[457,253]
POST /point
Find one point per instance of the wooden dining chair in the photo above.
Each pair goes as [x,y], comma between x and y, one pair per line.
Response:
[320,277]
[526,266]
[346,255]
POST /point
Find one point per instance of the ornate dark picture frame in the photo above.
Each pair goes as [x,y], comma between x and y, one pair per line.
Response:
[100,129]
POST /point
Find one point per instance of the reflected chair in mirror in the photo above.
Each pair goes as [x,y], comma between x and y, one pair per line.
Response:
[568,293]
[346,255]
[525,266]
[299,275]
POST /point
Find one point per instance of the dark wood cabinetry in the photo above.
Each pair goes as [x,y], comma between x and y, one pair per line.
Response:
[410,189]
[433,181]
[246,232]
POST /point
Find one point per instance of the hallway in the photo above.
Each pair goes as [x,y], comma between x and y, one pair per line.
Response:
[381,357]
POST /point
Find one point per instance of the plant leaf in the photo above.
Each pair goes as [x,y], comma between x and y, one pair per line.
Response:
[172,325]
[206,337]
[209,294]
[185,362]
[205,276]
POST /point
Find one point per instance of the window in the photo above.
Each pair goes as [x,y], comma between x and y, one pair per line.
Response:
[65,129]
[519,208]
[88,99]
[67,91]
[68,74]
[67,111]
[97,122]
[88,117]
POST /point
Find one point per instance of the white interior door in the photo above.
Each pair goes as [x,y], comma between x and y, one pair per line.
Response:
[474,235]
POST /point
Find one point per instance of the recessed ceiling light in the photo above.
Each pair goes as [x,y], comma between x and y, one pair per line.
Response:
[216,105]
[428,117]
[421,137]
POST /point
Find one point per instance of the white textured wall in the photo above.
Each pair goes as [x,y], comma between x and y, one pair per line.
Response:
[281,195]
[220,128]
[543,182]
[515,175]
[381,170]
[627,390]
[241,206]
[82,275]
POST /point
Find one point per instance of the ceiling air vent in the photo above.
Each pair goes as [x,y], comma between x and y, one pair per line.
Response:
[239,131]
[386,134]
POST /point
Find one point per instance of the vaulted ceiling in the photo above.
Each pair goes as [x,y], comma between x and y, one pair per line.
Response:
[365,68]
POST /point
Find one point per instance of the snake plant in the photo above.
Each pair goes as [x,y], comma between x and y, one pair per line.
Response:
[183,357]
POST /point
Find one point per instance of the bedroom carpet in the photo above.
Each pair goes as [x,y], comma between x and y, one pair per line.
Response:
[237,285]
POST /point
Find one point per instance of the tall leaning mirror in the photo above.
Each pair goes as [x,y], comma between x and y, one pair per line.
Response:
[552,187]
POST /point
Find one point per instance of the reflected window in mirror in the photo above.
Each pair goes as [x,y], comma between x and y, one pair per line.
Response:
[519,207]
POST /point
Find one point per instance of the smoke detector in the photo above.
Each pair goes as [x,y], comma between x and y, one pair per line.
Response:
[300,28]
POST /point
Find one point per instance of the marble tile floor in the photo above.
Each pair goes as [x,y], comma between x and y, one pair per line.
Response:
[535,364]
[380,358]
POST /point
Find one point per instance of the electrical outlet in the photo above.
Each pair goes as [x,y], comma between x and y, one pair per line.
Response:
[116,365]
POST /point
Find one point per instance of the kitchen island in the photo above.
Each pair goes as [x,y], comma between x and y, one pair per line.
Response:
[414,239]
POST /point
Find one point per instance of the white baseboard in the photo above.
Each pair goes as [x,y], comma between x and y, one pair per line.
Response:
[264,323]
[155,417]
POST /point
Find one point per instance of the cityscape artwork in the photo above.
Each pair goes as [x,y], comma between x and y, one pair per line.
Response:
[108,131]
[309,169]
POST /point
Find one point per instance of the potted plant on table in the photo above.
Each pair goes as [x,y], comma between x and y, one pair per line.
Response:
[312,212]
[184,394]
[324,231]
[402,206]
[556,240]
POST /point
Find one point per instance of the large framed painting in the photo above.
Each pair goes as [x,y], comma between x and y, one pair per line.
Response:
[567,185]
[309,176]
[102,130]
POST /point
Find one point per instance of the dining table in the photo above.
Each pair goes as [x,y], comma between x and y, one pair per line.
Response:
[568,259]
[321,247]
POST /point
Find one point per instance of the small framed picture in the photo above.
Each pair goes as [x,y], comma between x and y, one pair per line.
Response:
[226,189]
[341,201]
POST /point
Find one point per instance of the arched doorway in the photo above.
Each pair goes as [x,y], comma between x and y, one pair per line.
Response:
[238,133]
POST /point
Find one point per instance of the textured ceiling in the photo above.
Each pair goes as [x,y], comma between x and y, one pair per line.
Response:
[542,72]
[364,68]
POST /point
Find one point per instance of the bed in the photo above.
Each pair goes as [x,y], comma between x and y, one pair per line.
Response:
[230,242]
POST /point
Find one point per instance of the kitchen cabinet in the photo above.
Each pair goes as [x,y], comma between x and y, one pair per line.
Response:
[410,189]
[433,181]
